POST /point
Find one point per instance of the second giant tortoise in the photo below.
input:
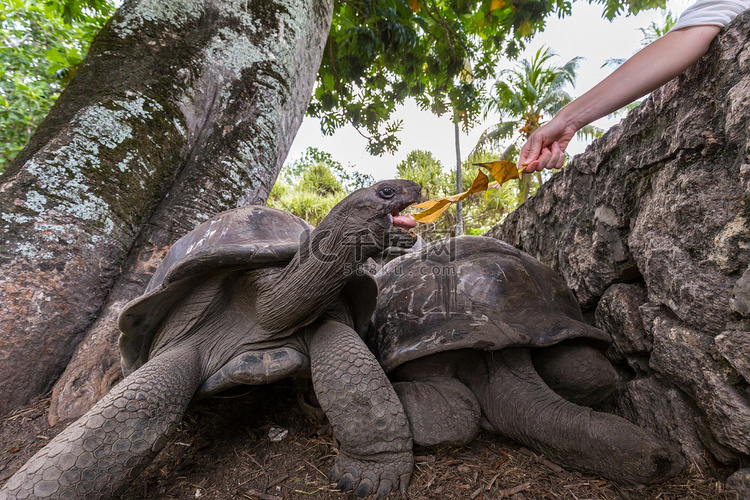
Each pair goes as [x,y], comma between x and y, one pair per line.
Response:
[472,332]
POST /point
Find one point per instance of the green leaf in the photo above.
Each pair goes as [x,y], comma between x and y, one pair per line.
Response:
[384,50]
[39,55]
[55,55]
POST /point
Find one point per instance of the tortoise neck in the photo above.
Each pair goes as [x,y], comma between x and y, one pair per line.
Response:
[311,282]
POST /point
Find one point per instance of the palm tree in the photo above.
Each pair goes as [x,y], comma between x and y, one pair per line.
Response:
[523,96]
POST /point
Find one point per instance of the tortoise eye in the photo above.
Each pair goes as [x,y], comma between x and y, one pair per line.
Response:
[387,192]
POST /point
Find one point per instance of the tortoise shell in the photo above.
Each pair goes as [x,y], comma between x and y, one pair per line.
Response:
[244,238]
[470,292]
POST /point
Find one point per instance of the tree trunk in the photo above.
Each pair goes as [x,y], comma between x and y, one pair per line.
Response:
[180,110]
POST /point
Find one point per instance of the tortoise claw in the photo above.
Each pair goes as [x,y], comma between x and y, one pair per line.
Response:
[346,483]
[386,486]
[349,480]
[372,477]
[404,482]
[366,486]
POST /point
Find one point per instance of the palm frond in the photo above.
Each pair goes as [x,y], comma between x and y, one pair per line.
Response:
[614,62]
[494,135]
[589,132]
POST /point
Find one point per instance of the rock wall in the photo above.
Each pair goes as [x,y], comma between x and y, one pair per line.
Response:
[650,227]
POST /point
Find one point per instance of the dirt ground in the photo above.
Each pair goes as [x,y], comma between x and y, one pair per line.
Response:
[222,450]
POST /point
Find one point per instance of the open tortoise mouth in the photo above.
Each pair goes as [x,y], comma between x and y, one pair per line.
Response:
[405,222]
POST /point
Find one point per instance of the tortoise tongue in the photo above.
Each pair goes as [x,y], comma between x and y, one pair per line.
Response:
[404,221]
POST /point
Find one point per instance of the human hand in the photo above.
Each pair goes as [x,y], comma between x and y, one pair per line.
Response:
[546,146]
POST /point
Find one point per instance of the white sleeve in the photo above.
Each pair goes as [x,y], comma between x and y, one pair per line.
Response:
[711,12]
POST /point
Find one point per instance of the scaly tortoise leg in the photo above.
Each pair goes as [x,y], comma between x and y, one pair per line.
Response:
[101,452]
[441,410]
[375,446]
[520,405]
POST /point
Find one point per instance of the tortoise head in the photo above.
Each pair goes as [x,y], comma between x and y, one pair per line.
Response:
[369,219]
[357,228]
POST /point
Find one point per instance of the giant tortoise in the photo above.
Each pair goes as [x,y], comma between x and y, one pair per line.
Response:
[456,328]
[248,297]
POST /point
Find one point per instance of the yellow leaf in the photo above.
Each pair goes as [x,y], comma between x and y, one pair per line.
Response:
[501,170]
[414,4]
[427,204]
[497,4]
[432,210]
[479,184]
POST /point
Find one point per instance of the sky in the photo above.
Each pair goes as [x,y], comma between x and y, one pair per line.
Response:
[584,33]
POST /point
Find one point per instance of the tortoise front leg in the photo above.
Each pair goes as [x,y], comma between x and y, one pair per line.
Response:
[441,410]
[101,452]
[375,446]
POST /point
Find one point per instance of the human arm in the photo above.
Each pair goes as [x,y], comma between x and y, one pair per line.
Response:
[647,70]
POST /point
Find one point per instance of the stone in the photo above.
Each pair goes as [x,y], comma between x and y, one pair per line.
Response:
[740,300]
[617,313]
[739,483]
[685,239]
[735,347]
[666,410]
[681,354]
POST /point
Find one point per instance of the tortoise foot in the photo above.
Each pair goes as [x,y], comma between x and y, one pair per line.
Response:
[377,475]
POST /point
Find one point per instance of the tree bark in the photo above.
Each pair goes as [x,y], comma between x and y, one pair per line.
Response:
[181,109]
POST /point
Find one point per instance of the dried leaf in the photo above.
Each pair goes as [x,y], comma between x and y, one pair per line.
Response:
[501,170]
[432,210]
[480,184]
[435,208]
[414,4]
